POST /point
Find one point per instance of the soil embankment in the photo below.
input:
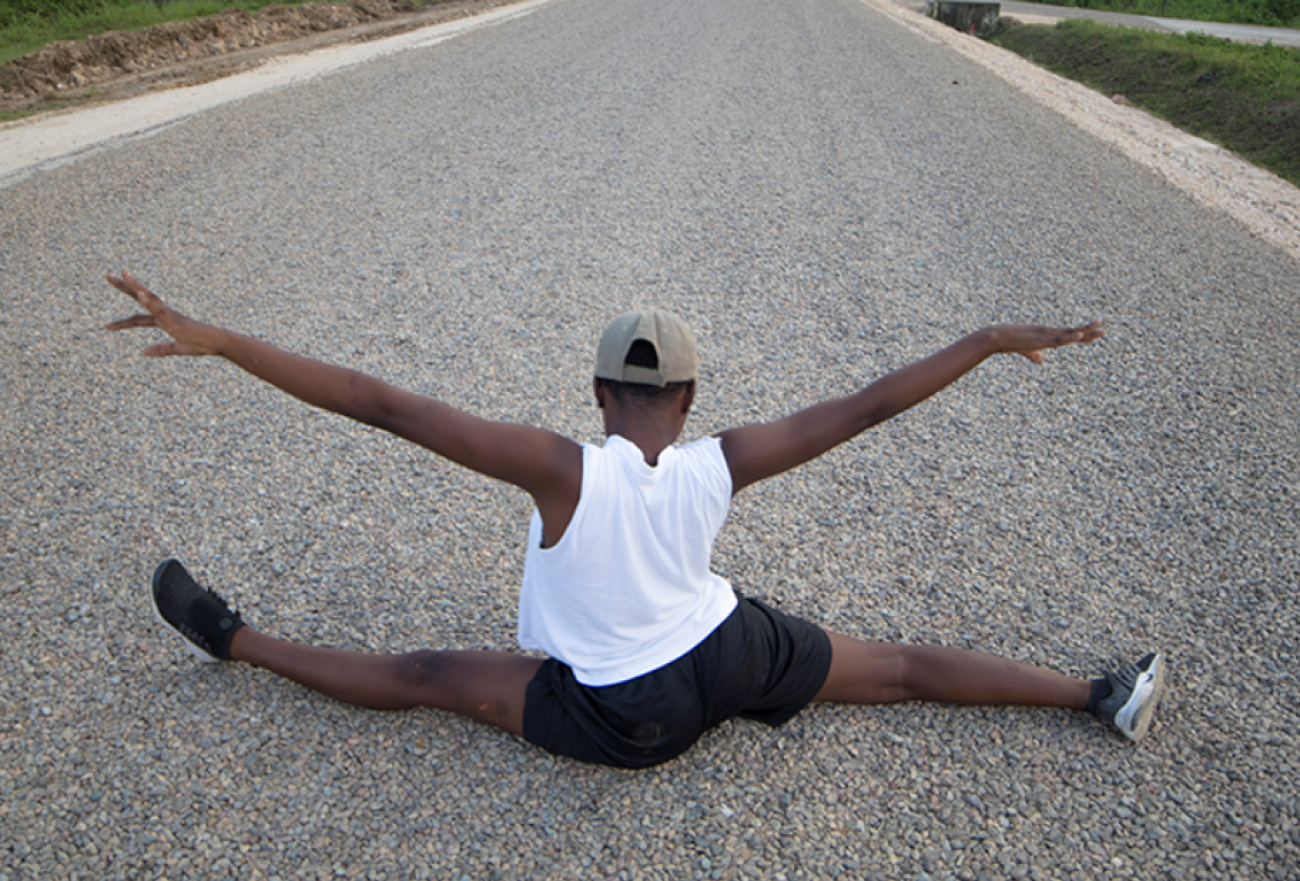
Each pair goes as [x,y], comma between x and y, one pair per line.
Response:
[119,64]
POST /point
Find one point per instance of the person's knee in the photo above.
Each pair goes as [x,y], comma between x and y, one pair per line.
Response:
[422,671]
[893,670]
[867,672]
[468,683]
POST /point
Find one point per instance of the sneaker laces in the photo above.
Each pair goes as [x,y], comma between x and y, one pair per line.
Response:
[1126,676]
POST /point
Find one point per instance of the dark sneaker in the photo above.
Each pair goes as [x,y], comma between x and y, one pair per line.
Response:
[196,613]
[1135,691]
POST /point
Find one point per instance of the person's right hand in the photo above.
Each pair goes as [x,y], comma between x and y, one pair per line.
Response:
[1030,340]
[189,337]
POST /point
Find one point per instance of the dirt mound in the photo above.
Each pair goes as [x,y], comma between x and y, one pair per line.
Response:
[72,66]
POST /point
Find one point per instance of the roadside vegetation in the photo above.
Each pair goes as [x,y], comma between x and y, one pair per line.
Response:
[28,25]
[1243,97]
[1270,13]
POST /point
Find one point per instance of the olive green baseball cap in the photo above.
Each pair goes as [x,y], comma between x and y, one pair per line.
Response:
[673,342]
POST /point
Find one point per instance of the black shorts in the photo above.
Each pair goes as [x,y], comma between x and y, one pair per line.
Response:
[758,664]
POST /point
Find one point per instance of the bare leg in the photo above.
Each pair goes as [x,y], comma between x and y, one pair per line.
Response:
[483,685]
[882,673]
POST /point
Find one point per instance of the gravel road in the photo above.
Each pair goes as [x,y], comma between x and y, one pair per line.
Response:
[824,194]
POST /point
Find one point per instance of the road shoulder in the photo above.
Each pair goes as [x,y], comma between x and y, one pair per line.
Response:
[1265,203]
[49,139]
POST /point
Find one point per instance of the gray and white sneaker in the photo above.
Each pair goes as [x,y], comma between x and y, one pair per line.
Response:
[1135,692]
[198,614]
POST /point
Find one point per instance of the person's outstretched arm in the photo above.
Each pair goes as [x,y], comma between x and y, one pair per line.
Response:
[546,465]
[756,452]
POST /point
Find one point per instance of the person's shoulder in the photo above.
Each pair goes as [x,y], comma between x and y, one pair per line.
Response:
[705,446]
[705,455]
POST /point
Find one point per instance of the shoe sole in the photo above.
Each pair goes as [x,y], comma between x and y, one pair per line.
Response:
[154,585]
[1134,718]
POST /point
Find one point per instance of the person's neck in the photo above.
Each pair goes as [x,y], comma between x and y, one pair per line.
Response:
[651,437]
[651,428]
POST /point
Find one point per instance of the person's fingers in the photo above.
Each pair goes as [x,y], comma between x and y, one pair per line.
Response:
[1090,331]
[1041,338]
[124,282]
[129,285]
[133,321]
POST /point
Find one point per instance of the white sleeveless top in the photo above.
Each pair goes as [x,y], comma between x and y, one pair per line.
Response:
[627,588]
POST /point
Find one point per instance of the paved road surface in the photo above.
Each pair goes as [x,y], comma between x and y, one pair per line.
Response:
[824,194]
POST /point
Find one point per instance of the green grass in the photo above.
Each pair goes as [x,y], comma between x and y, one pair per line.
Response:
[1271,13]
[1245,98]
